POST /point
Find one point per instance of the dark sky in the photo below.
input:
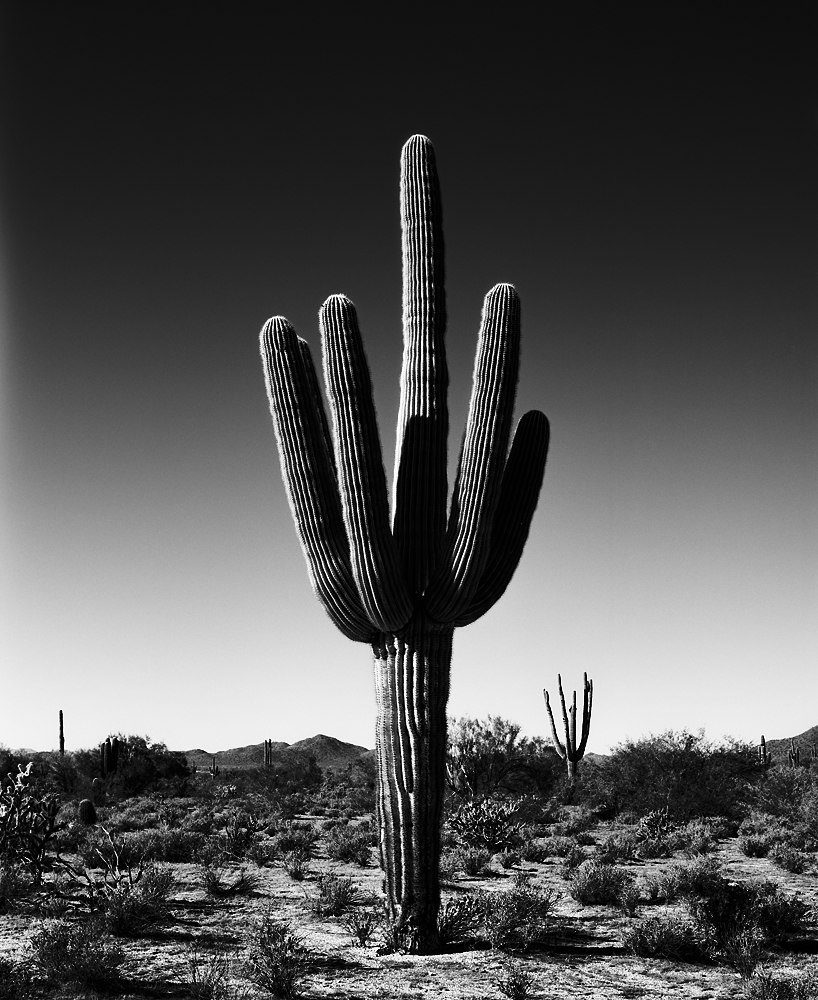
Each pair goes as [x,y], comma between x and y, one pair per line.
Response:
[174,174]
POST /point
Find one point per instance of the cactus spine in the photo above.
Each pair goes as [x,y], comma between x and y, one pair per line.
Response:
[569,751]
[404,586]
[764,756]
[62,737]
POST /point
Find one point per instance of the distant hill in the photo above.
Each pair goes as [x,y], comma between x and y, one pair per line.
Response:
[804,742]
[330,754]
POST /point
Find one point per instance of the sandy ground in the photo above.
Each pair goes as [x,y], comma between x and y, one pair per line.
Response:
[582,955]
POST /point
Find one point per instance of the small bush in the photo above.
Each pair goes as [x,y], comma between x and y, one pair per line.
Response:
[572,860]
[76,954]
[336,895]
[14,980]
[664,937]
[207,973]
[653,847]
[684,881]
[516,983]
[595,883]
[296,863]
[130,908]
[277,960]
[361,924]
[790,859]
[297,837]
[458,919]
[765,986]
[557,846]
[536,851]
[217,881]
[347,844]
[15,884]
[755,846]
[449,865]
[508,859]
[262,852]
[618,847]
[694,839]
[516,916]
[474,861]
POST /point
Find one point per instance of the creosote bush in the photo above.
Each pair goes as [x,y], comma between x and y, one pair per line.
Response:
[596,883]
[671,936]
[516,916]
[347,844]
[277,959]
[77,955]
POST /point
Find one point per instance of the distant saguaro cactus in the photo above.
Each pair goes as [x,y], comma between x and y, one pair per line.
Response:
[764,756]
[794,754]
[109,756]
[213,770]
[268,753]
[62,737]
[569,751]
[404,586]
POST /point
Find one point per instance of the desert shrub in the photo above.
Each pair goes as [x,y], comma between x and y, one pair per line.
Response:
[515,983]
[782,791]
[76,954]
[143,767]
[15,980]
[239,832]
[742,916]
[574,820]
[297,837]
[656,825]
[349,845]
[556,847]
[790,859]
[572,860]
[296,863]
[618,847]
[508,859]
[721,827]
[16,883]
[685,773]
[536,851]
[129,906]
[361,924]
[681,881]
[220,881]
[473,861]
[595,883]
[28,821]
[277,959]
[766,986]
[262,852]
[516,916]
[449,864]
[207,973]
[653,847]
[694,839]
[670,936]
[336,895]
[458,919]
[764,824]
[488,823]
[755,846]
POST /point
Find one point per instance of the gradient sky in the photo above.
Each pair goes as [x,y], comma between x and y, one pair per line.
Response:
[172,175]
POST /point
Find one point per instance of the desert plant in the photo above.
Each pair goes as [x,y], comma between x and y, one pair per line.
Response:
[755,846]
[790,859]
[403,588]
[361,923]
[682,881]
[516,916]
[16,883]
[277,959]
[516,982]
[296,863]
[593,883]
[218,881]
[28,821]
[618,847]
[458,919]
[15,980]
[86,812]
[336,895]
[671,936]
[508,859]
[129,906]
[207,971]
[488,823]
[295,838]
[345,844]
[473,861]
[765,985]
[571,752]
[76,954]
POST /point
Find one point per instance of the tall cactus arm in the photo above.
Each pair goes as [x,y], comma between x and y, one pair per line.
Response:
[587,706]
[361,474]
[421,484]
[522,480]
[308,477]
[561,750]
[483,457]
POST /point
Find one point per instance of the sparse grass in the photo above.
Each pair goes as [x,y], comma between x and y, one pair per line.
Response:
[516,982]
[296,863]
[218,881]
[336,895]
[361,923]
[208,972]
[76,954]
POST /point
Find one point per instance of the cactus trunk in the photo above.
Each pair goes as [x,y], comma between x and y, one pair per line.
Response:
[411,691]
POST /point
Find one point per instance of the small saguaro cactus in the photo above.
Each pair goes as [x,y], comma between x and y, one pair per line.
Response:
[62,737]
[213,770]
[268,753]
[569,751]
[764,755]
[794,754]
[403,585]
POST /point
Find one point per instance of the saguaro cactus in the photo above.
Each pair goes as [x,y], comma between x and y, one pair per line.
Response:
[404,587]
[794,754]
[764,756]
[569,751]
[62,737]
